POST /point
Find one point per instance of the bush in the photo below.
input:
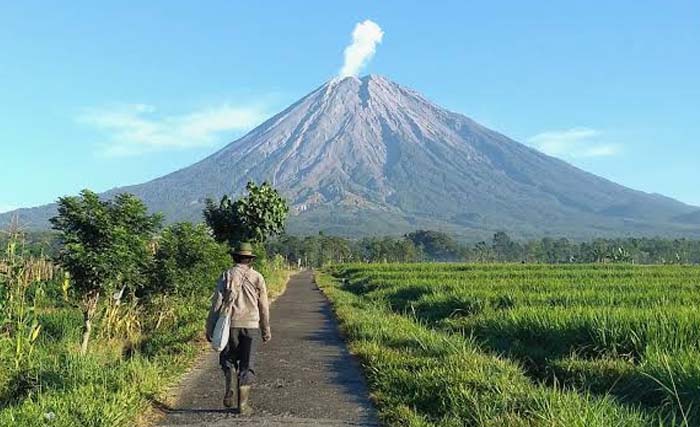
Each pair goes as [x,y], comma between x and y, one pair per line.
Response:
[188,260]
[275,271]
[106,246]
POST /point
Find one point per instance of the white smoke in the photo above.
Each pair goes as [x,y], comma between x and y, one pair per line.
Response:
[365,38]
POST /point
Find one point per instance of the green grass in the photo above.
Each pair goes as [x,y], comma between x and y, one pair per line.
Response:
[112,384]
[121,375]
[575,345]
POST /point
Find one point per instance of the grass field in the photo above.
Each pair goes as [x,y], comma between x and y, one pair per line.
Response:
[525,345]
[137,351]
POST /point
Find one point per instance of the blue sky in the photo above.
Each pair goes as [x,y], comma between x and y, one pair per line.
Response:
[100,95]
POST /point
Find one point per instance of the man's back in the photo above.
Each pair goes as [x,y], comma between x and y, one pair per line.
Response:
[249,304]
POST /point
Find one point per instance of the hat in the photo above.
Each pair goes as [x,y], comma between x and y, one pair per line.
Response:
[244,249]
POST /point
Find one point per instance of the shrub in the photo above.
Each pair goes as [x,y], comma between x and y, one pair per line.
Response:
[188,260]
[105,246]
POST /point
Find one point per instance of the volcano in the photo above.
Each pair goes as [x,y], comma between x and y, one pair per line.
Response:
[364,156]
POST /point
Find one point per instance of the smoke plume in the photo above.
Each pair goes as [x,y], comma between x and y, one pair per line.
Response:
[365,38]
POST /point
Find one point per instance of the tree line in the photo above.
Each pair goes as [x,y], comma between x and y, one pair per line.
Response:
[427,245]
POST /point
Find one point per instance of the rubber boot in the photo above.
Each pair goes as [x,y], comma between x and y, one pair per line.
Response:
[243,395]
[228,395]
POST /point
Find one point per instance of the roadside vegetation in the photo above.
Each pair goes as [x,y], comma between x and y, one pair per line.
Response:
[524,345]
[96,335]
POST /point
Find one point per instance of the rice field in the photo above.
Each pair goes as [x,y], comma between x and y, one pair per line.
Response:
[520,344]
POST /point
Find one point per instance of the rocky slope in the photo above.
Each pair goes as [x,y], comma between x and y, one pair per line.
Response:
[366,156]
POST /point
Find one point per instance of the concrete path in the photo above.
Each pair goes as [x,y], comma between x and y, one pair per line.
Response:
[305,376]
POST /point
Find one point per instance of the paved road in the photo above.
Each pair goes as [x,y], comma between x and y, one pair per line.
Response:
[306,377]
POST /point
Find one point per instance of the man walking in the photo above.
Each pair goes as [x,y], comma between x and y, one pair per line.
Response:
[241,291]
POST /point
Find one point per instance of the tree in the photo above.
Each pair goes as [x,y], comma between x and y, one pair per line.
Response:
[259,215]
[106,244]
[187,259]
[406,251]
[483,252]
[334,249]
[435,244]
[504,247]
[290,247]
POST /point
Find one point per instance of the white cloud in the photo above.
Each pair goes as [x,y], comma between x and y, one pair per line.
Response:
[137,128]
[603,150]
[574,143]
[365,38]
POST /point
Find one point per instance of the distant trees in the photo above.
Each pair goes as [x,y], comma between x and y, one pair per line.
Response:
[321,249]
[550,250]
[106,244]
[505,248]
[387,249]
[255,217]
[36,243]
[426,245]
[437,245]
[313,250]
[481,252]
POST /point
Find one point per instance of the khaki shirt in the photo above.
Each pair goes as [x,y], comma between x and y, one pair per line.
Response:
[241,292]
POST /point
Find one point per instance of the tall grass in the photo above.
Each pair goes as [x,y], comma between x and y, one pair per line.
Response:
[629,335]
[138,351]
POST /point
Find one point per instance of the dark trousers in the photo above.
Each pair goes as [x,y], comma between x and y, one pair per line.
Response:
[239,354]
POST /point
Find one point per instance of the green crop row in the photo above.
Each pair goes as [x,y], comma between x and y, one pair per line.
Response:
[630,332]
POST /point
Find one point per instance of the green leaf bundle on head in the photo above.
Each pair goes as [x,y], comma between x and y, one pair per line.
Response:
[255,217]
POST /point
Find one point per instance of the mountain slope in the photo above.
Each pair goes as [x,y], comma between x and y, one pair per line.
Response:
[364,156]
